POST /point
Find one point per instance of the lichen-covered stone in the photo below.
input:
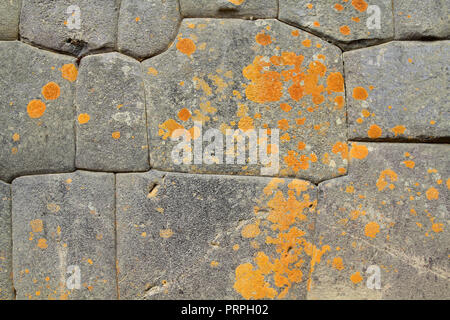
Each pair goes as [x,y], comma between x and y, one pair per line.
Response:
[147,28]
[63,227]
[213,237]
[74,27]
[397,91]
[9,19]
[417,19]
[391,213]
[111,131]
[230,8]
[6,287]
[352,23]
[36,111]
[248,75]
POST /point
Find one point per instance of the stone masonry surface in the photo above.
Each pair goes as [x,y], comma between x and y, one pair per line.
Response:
[114,174]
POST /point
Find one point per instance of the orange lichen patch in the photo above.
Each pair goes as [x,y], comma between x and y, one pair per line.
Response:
[51,91]
[263,39]
[342,148]
[37,225]
[16,137]
[365,113]
[356,19]
[371,229]
[152,71]
[345,30]
[245,124]
[14,150]
[301,145]
[448,183]
[42,243]
[340,101]
[251,283]
[285,107]
[358,151]
[35,109]
[165,233]
[409,164]
[382,183]
[316,24]
[237,2]
[432,194]
[295,33]
[69,72]
[168,128]
[350,189]
[250,231]
[306,43]
[310,6]
[137,19]
[184,114]
[356,277]
[437,227]
[374,131]
[359,93]
[398,130]
[116,135]
[83,118]
[339,7]
[335,82]
[283,124]
[214,264]
[360,5]
[338,264]
[186,46]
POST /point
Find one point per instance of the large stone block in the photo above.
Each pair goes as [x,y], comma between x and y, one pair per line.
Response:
[63,235]
[9,19]
[111,122]
[74,27]
[36,111]
[6,286]
[396,91]
[147,28]
[230,8]
[213,237]
[248,75]
[352,23]
[387,218]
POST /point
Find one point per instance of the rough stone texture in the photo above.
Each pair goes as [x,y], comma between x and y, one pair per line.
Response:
[416,19]
[6,287]
[9,19]
[59,221]
[407,96]
[390,211]
[244,79]
[147,27]
[46,23]
[230,8]
[34,140]
[111,129]
[342,21]
[213,237]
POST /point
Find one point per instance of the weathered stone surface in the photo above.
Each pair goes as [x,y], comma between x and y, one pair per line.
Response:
[230,8]
[36,111]
[391,211]
[343,21]
[54,24]
[6,287]
[111,129]
[213,237]
[9,19]
[62,224]
[241,74]
[147,28]
[418,19]
[397,91]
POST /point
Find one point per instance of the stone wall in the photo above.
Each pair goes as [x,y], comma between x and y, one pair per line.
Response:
[95,96]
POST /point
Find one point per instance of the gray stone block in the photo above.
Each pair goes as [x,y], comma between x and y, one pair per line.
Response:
[9,19]
[213,237]
[397,91]
[6,286]
[36,111]
[229,8]
[146,28]
[63,235]
[111,124]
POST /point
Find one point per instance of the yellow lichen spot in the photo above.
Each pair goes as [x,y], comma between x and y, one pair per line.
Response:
[250,231]
[371,229]
[37,225]
[69,72]
[432,194]
[186,46]
[90,261]
[51,91]
[338,264]
[236,247]
[237,2]
[245,124]
[53,207]
[14,150]
[36,109]
[152,71]
[165,233]
[42,243]
[83,118]
[398,130]
[437,227]
[382,183]
[214,264]
[16,137]
[356,277]
[116,135]
[409,164]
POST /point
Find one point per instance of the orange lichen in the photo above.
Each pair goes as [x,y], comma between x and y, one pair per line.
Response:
[83,118]
[381,182]
[186,46]
[437,227]
[371,229]
[16,137]
[432,194]
[116,135]
[36,109]
[42,243]
[165,233]
[184,114]
[306,43]
[338,264]
[245,124]
[356,277]
[342,148]
[250,231]
[236,2]
[51,91]
[335,82]
[409,164]
[285,107]
[358,151]
[37,225]
[398,130]
[295,33]
[345,30]
[359,93]
[69,72]
[360,5]
[263,39]
[374,131]
[168,128]
[339,7]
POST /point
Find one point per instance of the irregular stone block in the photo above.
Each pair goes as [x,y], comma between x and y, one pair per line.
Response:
[147,28]
[9,19]
[352,23]
[76,28]
[395,91]
[388,219]
[421,19]
[249,75]
[36,111]
[186,245]
[230,8]
[63,234]
[6,286]
[111,130]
